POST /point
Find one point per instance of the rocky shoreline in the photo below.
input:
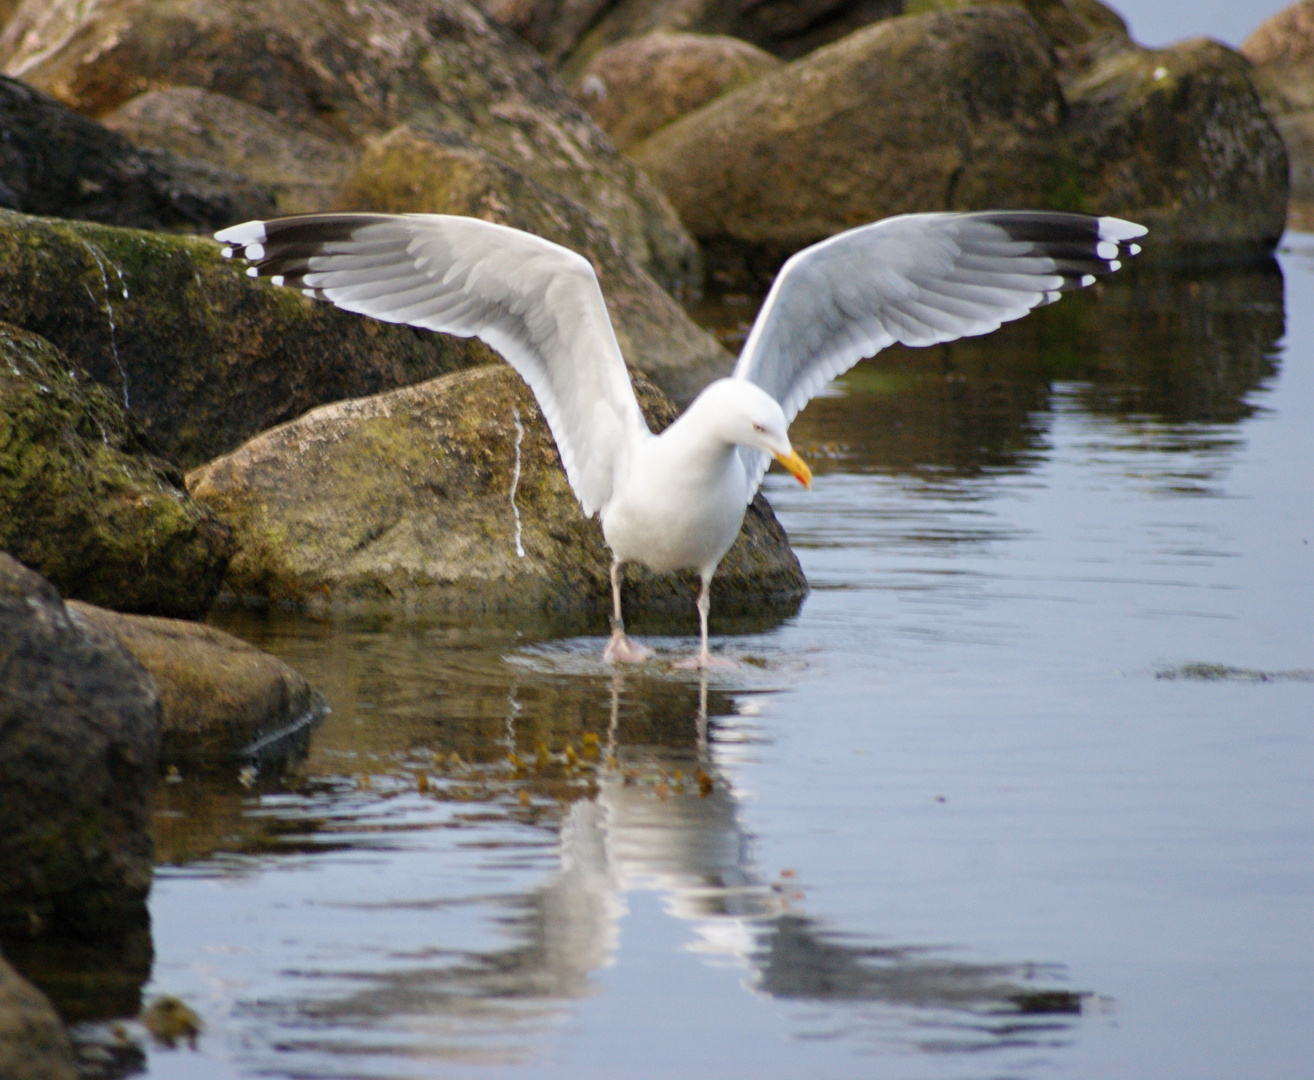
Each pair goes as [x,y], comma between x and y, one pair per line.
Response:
[173,433]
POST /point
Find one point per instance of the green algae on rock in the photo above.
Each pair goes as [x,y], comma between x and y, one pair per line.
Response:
[421,499]
[84,501]
[204,356]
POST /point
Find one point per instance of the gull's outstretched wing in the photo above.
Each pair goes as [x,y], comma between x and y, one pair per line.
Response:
[536,303]
[917,279]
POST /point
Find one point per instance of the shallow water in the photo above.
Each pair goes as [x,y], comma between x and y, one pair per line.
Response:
[1024,790]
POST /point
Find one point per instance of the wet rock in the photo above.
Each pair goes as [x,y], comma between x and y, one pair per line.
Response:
[302,171]
[33,1042]
[404,502]
[56,162]
[640,85]
[220,698]
[348,72]
[1178,140]
[79,735]
[85,501]
[969,110]
[417,170]
[1282,51]
[203,355]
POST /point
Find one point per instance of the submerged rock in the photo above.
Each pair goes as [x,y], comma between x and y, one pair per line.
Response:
[220,698]
[422,499]
[417,170]
[202,355]
[79,735]
[640,85]
[33,1042]
[85,501]
[57,163]
[968,109]
[349,72]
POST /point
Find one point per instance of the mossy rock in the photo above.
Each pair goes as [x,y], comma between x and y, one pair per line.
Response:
[403,502]
[203,356]
[79,736]
[84,501]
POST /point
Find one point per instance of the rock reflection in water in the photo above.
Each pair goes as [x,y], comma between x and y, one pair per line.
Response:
[641,801]
[1181,346]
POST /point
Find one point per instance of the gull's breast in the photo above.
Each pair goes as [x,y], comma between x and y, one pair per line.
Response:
[673,515]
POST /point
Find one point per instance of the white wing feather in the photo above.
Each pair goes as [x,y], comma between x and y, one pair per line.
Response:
[536,303]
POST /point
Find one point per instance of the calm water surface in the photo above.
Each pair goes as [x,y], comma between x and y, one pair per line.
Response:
[1026,789]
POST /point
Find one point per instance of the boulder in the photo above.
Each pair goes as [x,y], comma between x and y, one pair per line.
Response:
[570,32]
[640,85]
[203,355]
[33,1042]
[967,109]
[1282,51]
[85,501]
[436,172]
[79,735]
[220,698]
[422,499]
[301,171]
[349,72]
[918,113]
[56,162]
[1178,140]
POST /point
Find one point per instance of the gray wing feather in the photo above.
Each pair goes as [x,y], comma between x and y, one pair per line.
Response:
[536,303]
[917,279]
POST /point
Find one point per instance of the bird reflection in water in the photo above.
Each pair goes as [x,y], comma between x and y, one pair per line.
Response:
[668,819]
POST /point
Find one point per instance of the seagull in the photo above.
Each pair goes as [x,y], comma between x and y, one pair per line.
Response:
[676,500]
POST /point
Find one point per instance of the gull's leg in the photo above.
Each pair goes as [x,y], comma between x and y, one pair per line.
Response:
[621,648]
[705,659]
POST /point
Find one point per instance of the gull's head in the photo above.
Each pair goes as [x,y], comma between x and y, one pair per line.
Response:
[743,414]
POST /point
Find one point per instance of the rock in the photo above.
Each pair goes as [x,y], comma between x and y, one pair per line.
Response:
[349,72]
[435,172]
[404,502]
[57,163]
[1282,51]
[1178,140]
[301,171]
[220,698]
[85,501]
[910,114]
[966,110]
[79,735]
[640,85]
[570,32]
[203,355]
[33,1042]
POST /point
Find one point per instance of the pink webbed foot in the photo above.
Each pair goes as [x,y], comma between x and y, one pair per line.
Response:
[623,650]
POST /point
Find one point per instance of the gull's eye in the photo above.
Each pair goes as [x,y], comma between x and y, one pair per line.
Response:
[759,427]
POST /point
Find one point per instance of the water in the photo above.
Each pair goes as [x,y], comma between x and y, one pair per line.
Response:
[1024,790]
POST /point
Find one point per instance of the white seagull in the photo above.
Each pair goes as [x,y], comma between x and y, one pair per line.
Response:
[676,501]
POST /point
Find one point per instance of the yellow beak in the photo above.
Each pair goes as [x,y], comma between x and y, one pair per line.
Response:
[797,466]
